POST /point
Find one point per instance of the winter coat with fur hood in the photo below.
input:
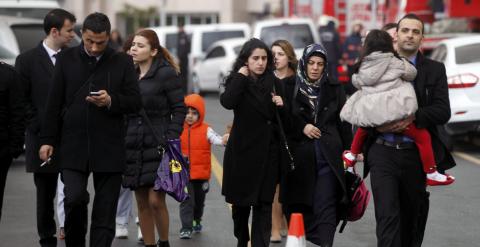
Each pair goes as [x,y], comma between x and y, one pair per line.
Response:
[385,93]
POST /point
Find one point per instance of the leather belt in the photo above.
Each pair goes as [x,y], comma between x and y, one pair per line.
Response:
[401,145]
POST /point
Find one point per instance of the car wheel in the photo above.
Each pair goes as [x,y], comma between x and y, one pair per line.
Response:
[195,84]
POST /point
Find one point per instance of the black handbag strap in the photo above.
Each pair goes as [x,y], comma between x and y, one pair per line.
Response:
[161,142]
[282,133]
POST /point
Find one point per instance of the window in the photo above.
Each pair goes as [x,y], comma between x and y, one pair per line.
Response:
[6,54]
[28,35]
[216,52]
[237,49]
[467,54]
[209,38]
[299,35]
[439,54]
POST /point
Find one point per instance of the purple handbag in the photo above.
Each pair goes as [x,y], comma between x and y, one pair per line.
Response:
[172,173]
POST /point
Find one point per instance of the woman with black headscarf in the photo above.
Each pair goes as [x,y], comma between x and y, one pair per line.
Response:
[316,187]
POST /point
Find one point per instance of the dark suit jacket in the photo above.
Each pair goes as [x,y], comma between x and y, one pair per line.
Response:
[431,89]
[91,137]
[36,71]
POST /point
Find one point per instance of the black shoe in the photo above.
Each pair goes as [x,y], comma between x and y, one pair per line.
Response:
[163,243]
[186,233]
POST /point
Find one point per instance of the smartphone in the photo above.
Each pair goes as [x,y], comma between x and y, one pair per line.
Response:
[95,93]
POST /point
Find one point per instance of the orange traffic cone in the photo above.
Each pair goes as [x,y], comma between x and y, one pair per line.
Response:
[296,232]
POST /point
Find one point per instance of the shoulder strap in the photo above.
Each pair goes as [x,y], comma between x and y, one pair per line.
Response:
[282,133]
[87,82]
[160,141]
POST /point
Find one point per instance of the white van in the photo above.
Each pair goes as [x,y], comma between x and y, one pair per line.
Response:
[201,38]
[300,32]
[27,8]
[18,35]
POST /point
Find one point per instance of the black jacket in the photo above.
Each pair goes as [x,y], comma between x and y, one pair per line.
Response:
[249,175]
[297,186]
[433,111]
[12,111]
[36,71]
[91,137]
[162,97]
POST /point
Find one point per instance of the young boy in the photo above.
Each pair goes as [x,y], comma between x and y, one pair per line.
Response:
[196,140]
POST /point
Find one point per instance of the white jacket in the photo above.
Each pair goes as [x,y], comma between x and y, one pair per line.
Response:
[385,93]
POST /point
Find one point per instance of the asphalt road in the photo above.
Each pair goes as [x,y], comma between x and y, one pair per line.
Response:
[454,213]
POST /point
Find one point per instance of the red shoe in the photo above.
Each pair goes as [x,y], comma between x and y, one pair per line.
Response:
[349,158]
[432,182]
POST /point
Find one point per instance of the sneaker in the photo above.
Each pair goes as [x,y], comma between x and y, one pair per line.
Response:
[139,231]
[185,233]
[435,178]
[121,231]
[349,158]
[197,226]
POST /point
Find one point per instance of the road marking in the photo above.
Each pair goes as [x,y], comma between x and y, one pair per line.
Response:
[217,169]
[468,157]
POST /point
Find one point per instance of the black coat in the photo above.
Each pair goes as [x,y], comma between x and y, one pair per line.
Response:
[162,97]
[36,70]
[297,186]
[249,176]
[12,112]
[433,111]
[91,137]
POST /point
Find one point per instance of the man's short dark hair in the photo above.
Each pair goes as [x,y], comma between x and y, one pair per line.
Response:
[97,23]
[56,18]
[389,26]
[412,17]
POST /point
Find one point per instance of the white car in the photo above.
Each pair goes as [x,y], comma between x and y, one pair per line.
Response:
[210,71]
[461,57]
[300,32]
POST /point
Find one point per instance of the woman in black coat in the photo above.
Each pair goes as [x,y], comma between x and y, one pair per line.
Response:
[162,97]
[316,188]
[251,166]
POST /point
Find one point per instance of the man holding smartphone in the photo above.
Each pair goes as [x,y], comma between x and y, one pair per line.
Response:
[90,129]
[36,67]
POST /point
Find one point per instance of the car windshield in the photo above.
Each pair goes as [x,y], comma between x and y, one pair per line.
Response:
[209,38]
[467,54]
[299,35]
[6,54]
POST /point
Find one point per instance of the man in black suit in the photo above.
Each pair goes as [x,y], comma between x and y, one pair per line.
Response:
[93,87]
[36,69]
[397,177]
[12,122]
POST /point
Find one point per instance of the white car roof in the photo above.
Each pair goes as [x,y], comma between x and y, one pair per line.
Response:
[460,41]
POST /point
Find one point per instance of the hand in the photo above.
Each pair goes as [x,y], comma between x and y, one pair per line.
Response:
[360,157]
[244,71]
[312,132]
[225,139]
[45,152]
[397,126]
[277,100]
[101,100]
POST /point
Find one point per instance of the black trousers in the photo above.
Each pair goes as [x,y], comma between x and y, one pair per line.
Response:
[46,186]
[321,218]
[400,196]
[5,162]
[261,224]
[192,209]
[102,228]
